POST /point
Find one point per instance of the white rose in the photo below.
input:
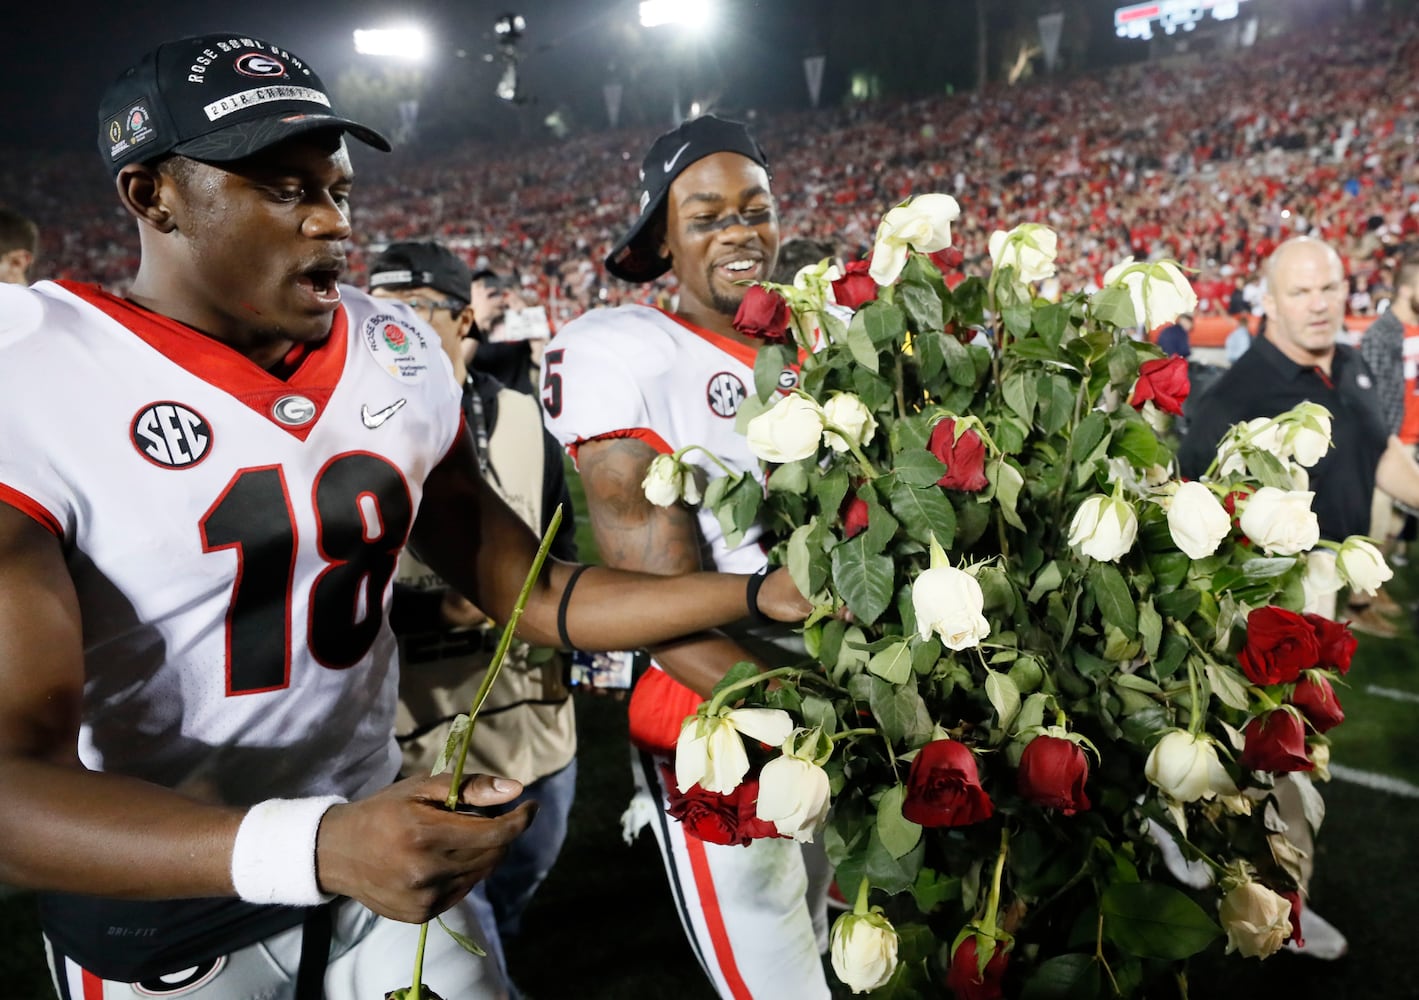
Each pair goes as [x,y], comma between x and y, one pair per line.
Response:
[1103,528]
[1029,248]
[1257,920]
[669,481]
[846,413]
[1361,565]
[1307,444]
[1320,757]
[793,796]
[1186,768]
[1321,578]
[1280,521]
[1197,520]
[949,602]
[1160,292]
[923,223]
[787,432]
[864,950]
[710,752]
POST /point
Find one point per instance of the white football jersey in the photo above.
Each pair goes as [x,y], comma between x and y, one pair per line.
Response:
[232,535]
[636,371]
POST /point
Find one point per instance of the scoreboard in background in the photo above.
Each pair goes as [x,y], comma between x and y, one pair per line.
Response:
[1138,20]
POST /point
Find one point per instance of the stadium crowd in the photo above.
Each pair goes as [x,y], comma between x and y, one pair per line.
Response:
[1211,160]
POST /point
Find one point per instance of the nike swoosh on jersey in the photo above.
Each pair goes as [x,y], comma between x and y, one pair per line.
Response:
[671,162]
[376,418]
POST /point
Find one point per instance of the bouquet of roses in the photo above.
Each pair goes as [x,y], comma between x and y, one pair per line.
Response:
[1051,687]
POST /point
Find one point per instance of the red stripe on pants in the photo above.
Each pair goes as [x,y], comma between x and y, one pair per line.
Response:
[93,985]
[714,919]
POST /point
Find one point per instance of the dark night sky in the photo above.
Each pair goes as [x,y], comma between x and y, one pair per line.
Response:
[59,58]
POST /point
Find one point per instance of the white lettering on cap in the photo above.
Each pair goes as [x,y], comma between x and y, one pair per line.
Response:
[262,95]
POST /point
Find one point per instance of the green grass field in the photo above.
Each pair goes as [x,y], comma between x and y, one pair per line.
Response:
[577,945]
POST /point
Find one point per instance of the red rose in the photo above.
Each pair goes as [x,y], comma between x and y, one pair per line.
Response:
[763,315]
[1052,774]
[965,978]
[1165,382]
[947,260]
[1337,643]
[856,287]
[719,819]
[943,787]
[1316,700]
[964,458]
[1276,742]
[854,516]
[1294,898]
[1280,644]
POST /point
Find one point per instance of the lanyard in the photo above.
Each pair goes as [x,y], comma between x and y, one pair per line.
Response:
[480,432]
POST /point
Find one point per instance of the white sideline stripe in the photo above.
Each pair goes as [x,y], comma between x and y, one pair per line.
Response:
[1392,693]
[1379,782]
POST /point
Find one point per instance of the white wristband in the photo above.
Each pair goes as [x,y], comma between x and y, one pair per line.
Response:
[273,858]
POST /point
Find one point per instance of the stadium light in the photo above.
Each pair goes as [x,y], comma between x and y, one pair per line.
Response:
[397,43]
[690,13]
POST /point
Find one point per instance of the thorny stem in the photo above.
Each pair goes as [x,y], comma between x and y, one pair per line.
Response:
[992,906]
[708,454]
[721,696]
[1243,439]
[1099,956]
[868,469]
[418,985]
[1195,723]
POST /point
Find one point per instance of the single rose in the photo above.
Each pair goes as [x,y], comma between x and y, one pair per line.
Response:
[845,413]
[793,796]
[1293,897]
[1163,380]
[1103,528]
[1160,292]
[1336,642]
[1316,700]
[764,315]
[948,601]
[1052,774]
[947,260]
[1257,920]
[1029,248]
[923,223]
[787,432]
[1197,521]
[1321,577]
[855,288]
[968,980]
[1320,758]
[710,751]
[1275,741]
[854,515]
[669,480]
[1308,441]
[943,787]
[1280,644]
[1185,767]
[717,818]
[1361,565]
[1281,521]
[964,457]
[863,947]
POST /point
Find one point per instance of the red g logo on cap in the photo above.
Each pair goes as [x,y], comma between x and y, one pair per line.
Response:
[258,64]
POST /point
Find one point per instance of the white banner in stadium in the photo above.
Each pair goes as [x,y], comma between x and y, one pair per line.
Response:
[813,70]
[1051,27]
[612,92]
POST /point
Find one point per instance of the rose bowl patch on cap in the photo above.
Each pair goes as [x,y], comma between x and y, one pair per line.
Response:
[215,98]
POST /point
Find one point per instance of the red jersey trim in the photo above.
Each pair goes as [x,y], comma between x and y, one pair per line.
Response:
[744,353]
[27,505]
[225,368]
[639,433]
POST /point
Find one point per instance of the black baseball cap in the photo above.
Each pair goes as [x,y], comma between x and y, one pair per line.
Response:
[422,265]
[636,258]
[215,98]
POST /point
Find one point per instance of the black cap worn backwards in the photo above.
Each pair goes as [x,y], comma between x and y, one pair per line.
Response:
[636,257]
[215,98]
[422,265]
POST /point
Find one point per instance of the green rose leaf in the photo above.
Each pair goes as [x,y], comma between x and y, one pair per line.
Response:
[1021,394]
[899,710]
[859,341]
[461,724]
[1087,436]
[1114,598]
[863,578]
[1137,443]
[769,364]
[1007,482]
[1004,697]
[808,561]
[898,835]
[1113,306]
[1229,686]
[918,467]
[1048,579]
[922,305]
[790,478]
[1050,323]
[893,664]
[958,362]
[1155,921]
[463,941]
[1065,977]
[924,513]
[930,356]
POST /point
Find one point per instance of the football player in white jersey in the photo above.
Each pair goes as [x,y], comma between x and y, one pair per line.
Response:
[204,491]
[621,386]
